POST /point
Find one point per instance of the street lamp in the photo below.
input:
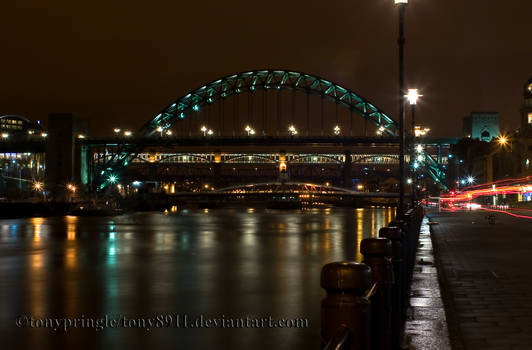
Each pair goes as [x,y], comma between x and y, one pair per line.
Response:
[210,132]
[127,133]
[292,130]
[412,97]
[117,130]
[401,6]
[204,129]
[502,140]
[160,129]
[249,130]
[336,130]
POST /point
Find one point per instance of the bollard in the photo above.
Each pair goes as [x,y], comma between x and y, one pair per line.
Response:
[395,235]
[410,238]
[377,255]
[406,244]
[346,303]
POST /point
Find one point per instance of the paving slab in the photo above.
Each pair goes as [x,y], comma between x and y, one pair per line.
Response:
[426,325]
[485,277]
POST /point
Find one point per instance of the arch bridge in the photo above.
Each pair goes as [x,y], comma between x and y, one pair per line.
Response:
[281,106]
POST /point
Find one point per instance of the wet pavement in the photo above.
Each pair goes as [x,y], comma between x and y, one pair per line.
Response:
[485,278]
[426,325]
[223,264]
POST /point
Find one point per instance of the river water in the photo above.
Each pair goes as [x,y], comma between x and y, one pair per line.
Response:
[236,266]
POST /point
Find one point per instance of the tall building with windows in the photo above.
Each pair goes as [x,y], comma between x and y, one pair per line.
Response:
[526,109]
[17,125]
[481,126]
[524,136]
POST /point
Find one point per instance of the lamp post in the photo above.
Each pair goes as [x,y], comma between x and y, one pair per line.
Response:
[292,130]
[250,130]
[401,6]
[412,97]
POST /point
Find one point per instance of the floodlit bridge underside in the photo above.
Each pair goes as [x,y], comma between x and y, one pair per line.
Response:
[222,170]
[244,158]
[304,192]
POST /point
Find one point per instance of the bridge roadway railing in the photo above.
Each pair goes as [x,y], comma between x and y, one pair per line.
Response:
[365,304]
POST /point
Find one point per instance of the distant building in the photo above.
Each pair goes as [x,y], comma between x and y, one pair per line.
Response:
[524,135]
[526,109]
[16,125]
[481,126]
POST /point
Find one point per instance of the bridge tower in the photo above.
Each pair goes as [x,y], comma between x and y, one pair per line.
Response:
[63,160]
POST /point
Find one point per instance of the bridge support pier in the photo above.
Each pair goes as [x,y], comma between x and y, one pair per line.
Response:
[217,168]
[346,171]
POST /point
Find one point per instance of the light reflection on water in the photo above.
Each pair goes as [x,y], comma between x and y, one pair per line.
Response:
[233,262]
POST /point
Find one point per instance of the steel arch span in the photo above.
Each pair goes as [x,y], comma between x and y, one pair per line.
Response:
[246,82]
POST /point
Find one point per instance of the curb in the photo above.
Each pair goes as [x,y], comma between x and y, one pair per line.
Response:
[455,335]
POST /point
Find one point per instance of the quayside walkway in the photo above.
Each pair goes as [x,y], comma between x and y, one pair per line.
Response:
[486,278]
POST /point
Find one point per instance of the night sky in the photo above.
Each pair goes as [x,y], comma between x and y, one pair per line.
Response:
[119,62]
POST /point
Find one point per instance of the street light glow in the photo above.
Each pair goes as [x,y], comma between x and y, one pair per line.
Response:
[127,133]
[117,130]
[5,135]
[412,96]
[249,130]
[502,140]
[292,130]
[470,179]
[337,130]
[37,186]
[210,132]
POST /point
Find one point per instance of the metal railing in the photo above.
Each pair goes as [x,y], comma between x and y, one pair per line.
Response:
[365,304]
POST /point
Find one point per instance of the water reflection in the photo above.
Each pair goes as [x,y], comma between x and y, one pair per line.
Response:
[37,223]
[71,227]
[236,262]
